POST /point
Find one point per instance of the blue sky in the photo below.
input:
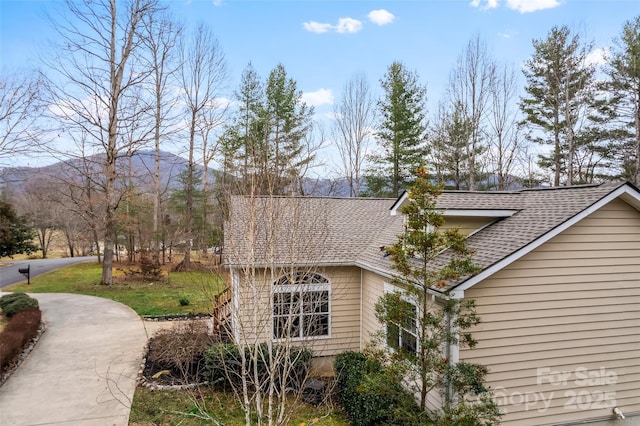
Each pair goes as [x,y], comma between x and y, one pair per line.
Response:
[322,43]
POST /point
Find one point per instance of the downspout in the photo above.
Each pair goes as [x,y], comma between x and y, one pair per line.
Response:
[361,304]
[452,350]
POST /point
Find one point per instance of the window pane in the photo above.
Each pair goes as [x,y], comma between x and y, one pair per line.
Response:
[287,326]
[409,322]
[409,342]
[316,325]
[393,335]
[316,302]
[286,303]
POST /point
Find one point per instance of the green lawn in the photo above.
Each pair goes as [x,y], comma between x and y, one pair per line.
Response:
[190,408]
[146,298]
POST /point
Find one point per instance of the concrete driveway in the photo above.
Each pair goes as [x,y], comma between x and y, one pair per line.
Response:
[83,370]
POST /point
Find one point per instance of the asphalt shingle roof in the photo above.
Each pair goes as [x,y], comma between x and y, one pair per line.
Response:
[327,231]
[307,230]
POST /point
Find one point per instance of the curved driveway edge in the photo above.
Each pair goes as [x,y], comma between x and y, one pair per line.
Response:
[83,370]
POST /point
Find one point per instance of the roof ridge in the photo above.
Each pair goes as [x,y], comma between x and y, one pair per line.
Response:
[313,197]
[581,186]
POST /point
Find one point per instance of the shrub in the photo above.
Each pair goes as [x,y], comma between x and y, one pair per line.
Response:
[10,346]
[184,301]
[27,322]
[180,351]
[19,304]
[289,364]
[370,395]
[21,328]
[10,298]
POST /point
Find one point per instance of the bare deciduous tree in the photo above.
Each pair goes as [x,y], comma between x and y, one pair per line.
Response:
[36,203]
[20,108]
[94,83]
[161,39]
[504,137]
[354,116]
[203,75]
[274,251]
[469,90]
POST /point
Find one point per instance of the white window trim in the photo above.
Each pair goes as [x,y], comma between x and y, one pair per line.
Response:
[235,304]
[390,288]
[302,288]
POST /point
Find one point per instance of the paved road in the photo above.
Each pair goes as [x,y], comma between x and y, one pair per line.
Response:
[82,371]
[9,274]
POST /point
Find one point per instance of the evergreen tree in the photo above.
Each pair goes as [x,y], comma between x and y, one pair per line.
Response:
[241,141]
[422,331]
[16,235]
[287,122]
[559,96]
[624,86]
[203,233]
[449,149]
[264,146]
[401,133]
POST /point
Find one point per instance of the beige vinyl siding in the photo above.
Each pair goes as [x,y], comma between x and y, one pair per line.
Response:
[256,312]
[345,312]
[466,224]
[372,290]
[572,303]
[253,321]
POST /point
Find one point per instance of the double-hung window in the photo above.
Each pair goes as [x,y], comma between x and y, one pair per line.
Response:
[301,306]
[403,335]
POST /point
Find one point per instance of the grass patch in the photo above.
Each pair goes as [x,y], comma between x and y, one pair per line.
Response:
[146,298]
[183,407]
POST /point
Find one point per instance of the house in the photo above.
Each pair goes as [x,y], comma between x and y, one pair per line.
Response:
[558,291]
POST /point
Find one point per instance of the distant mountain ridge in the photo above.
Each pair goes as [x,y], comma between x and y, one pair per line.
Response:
[13,179]
[142,163]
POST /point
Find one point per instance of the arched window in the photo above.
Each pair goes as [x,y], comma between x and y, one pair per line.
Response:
[301,305]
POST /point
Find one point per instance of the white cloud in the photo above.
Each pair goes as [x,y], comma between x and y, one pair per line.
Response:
[526,6]
[344,25]
[597,57]
[381,17]
[522,6]
[217,2]
[348,25]
[508,34]
[319,97]
[484,4]
[317,27]
[222,103]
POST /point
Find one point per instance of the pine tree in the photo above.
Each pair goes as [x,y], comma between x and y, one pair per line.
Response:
[401,133]
[450,155]
[624,86]
[16,235]
[558,98]
[421,330]
[263,148]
